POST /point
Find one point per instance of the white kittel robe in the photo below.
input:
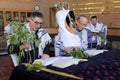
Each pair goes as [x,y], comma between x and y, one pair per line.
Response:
[68,39]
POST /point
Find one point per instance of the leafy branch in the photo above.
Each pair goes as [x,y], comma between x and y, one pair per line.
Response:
[18,35]
[79,54]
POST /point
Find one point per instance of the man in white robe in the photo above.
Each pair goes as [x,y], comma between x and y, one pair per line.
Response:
[67,33]
[95,27]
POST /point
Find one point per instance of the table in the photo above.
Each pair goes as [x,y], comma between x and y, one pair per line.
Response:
[104,66]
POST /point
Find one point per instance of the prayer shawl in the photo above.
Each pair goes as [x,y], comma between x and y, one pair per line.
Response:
[83,36]
[92,28]
[44,39]
[28,27]
[68,39]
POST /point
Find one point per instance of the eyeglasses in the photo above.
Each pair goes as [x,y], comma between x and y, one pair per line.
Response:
[37,23]
[82,24]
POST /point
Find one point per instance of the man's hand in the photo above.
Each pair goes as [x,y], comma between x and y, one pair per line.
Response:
[45,56]
[95,33]
[25,45]
[69,49]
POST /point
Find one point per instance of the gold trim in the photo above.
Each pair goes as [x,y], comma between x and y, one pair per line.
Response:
[89,3]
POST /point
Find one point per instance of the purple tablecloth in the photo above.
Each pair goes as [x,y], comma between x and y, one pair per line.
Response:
[104,66]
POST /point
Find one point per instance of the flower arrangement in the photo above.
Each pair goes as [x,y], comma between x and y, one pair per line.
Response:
[18,35]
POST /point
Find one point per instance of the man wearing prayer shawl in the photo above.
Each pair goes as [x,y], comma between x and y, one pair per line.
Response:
[67,32]
[96,27]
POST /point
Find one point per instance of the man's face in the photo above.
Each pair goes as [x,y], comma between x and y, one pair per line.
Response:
[35,23]
[82,23]
[94,20]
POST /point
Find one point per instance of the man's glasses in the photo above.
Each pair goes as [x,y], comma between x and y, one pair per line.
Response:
[37,23]
[82,24]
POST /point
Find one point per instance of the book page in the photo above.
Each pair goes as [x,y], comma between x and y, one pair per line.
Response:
[50,60]
[93,52]
[63,63]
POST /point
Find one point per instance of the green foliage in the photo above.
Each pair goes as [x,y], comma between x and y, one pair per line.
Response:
[79,54]
[116,45]
[0,23]
[35,66]
[18,35]
[102,36]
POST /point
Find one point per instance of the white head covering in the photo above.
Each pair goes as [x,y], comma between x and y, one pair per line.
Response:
[68,39]
[60,18]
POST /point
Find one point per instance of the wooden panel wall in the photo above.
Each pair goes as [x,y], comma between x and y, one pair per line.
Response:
[112,20]
[44,5]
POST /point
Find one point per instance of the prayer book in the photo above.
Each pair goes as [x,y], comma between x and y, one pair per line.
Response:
[63,63]
[93,52]
[60,62]
[50,60]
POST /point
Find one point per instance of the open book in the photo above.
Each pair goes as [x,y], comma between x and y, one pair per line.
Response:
[93,52]
[63,63]
[50,60]
[60,62]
